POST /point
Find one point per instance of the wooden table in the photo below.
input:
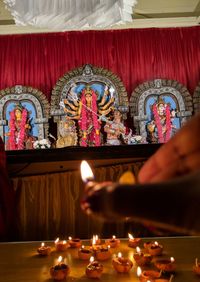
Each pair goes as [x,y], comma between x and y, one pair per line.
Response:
[19,262]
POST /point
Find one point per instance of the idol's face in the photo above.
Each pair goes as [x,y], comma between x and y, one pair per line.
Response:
[18,113]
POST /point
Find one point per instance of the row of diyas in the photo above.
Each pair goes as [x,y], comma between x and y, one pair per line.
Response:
[121,264]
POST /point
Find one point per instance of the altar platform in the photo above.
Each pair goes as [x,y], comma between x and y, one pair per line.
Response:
[20,262]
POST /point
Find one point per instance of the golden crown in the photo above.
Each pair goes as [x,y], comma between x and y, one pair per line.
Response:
[88,90]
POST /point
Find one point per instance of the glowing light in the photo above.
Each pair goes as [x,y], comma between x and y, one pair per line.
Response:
[86,172]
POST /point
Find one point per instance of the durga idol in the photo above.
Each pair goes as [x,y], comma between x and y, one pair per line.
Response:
[87,111]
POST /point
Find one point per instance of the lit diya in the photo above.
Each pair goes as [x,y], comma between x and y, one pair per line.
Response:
[44,250]
[103,253]
[121,264]
[61,245]
[142,258]
[60,271]
[154,248]
[74,242]
[94,269]
[196,267]
[113,242]
[95,240]
[133,242]
[85,253]
[147,275]
[167,265]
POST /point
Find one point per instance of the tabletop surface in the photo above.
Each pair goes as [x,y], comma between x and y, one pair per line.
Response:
[19,262]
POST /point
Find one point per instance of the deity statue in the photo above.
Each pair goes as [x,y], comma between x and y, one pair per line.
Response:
[160,128]
[87,110]
[67,134]
[19,134]
[115,129]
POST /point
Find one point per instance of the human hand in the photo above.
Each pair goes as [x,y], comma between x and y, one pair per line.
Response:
[179,156]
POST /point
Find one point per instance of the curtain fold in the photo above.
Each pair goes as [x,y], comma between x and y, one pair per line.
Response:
[48,206]
[135,55]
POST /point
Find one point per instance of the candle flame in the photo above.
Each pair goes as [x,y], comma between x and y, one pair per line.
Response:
[94,240]
[70,238]
[82,247]
[59,259]
[86,172]
[42,245]
[64,242]
[138,250]
[139,271]
[56,241]
[91,259]
[172,259]
[119,255]
[114,237]
[108,246]
[130,236]
[156,243]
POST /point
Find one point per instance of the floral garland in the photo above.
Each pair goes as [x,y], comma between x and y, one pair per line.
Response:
[159,126]
[13,144]
[83,120]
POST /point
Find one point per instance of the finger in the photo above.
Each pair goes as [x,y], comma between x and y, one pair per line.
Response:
[184,143]
[182,166]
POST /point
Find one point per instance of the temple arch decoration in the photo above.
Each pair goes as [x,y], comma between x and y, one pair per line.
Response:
[159,108]
[88,96]
[24,116]
[196,99]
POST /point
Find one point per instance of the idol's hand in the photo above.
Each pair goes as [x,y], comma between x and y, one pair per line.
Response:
[180,156]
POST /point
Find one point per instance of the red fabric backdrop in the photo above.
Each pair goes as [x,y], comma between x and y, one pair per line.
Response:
[136,55]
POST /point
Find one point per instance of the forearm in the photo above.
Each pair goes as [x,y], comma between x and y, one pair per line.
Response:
[175,203]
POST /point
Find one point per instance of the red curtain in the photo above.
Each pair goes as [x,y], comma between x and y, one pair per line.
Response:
[135,55]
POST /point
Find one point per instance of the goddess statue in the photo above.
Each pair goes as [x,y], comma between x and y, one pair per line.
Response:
[88,110]
[160,128]
[19,134]
[115,129]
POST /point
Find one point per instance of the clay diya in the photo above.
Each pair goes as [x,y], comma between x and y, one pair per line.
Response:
[133,242]
[103,253]
[61,245]
[166,265]
[44,250]
[112,242]
[196,267]
[74,242]
[147,275]
[142,258]
[60,271]
[121,264]
[85,253]
[94,269]
[155,249]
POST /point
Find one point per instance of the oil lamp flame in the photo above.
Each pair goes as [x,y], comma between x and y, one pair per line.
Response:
[91,259]
[119,255]
[139,271]
[86,172]
[59,259]
[172,259]
[42,245]
[130,236]
[56,241]
[138,250]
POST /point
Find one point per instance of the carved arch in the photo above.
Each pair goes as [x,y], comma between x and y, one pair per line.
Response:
[89,74]
[33,100]
[159,88]
[196,99]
